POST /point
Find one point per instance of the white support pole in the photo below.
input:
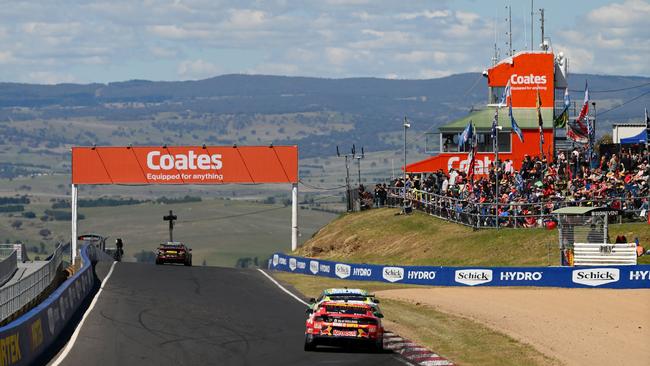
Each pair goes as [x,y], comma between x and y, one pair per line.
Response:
[294,216]
[73,243]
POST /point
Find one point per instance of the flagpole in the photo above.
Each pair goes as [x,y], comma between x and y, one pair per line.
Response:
[647,120]
[496,172]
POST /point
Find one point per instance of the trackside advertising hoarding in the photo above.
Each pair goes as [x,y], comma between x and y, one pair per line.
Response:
[23,340]
[618,277]
[184,164]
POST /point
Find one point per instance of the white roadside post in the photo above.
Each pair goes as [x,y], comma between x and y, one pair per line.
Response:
[73,243]
[294,216]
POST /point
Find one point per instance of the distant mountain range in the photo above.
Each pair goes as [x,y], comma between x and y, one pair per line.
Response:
[369,110]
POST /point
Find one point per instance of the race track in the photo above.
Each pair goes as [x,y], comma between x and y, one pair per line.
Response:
[175,315]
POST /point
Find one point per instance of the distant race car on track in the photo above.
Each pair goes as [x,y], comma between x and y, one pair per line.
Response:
[339,323]
[174,252]
[352,295]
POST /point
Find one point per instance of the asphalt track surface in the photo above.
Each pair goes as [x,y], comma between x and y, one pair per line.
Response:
[176,315]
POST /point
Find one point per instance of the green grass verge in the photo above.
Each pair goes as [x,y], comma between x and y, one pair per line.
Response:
[382,237]
[459,339]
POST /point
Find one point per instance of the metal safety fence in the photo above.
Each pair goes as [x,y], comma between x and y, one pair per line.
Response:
[512,214]
[15,296]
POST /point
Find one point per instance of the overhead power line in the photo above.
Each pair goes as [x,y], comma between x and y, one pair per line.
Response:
[612,90]
[321,188]
[622,104]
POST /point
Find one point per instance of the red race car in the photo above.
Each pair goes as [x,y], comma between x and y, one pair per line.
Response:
[174,252]
[341,323]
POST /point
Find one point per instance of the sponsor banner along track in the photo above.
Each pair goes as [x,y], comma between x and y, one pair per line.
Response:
[23,340]
[617,277]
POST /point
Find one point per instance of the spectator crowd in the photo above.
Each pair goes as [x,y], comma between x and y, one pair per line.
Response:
[527,195]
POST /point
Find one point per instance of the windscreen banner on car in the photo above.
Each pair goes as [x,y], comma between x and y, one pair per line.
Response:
[184,164]
[618,277]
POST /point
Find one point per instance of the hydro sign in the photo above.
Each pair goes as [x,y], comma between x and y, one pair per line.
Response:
[623,277]
[481,167]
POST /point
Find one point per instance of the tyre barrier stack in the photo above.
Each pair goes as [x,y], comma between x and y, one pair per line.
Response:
[23,340]
[618,277]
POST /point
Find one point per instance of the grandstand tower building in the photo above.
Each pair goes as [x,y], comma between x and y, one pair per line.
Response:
[527,72]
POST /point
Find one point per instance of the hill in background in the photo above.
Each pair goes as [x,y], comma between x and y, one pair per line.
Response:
[38,123]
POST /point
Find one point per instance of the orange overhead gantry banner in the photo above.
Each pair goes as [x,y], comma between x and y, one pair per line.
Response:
[184,164]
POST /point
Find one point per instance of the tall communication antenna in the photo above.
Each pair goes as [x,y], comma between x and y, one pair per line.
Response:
[495,58]
[509,32]
[543,45]
[532,23]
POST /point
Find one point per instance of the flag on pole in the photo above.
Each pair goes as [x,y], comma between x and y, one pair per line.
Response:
[540,122]
[494,131]
[472,163]
[466,135]
[506,94]
[562,119]
[508,99]
[576,134]
[584,111]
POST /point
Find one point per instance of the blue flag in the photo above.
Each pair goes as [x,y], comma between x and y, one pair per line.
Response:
[515,126]
[466,135]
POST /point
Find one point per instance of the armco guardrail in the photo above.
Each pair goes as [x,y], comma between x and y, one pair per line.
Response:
[23,340]
[8,267]
[619,277]
[15,296]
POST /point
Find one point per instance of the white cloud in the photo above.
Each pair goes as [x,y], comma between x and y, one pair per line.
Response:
[197,69]
[163,52]
[628,13]
[47,77]
[246,19]
[432,74]
[336,55]
[175,32]
[428,14]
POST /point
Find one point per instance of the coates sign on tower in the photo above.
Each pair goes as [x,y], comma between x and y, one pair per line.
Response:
[527,72]
[184,164]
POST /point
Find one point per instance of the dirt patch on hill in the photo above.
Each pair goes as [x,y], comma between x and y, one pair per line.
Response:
[576,326]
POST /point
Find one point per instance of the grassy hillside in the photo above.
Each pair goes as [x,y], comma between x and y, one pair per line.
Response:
[380,236]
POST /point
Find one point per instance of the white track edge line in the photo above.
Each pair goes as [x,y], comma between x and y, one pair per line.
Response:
[282,287]
[74,336]
[303,302]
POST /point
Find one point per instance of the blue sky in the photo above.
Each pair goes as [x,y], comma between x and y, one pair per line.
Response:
[114,40]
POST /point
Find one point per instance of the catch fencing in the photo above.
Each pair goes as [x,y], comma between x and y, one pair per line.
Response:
[15,296]
[24,340]
[487,215]
[8,267]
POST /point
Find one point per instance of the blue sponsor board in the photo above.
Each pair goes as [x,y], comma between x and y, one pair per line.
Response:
[23,340]
[620,277]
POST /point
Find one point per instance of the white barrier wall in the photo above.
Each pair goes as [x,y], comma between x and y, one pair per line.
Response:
[599,254]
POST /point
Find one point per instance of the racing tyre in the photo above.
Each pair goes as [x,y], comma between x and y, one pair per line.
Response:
[379,346]
[310,345]
[188,263]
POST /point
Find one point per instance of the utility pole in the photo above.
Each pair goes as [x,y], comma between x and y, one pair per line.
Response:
[407,125]
[171,218]
[348,195]
[358,157]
